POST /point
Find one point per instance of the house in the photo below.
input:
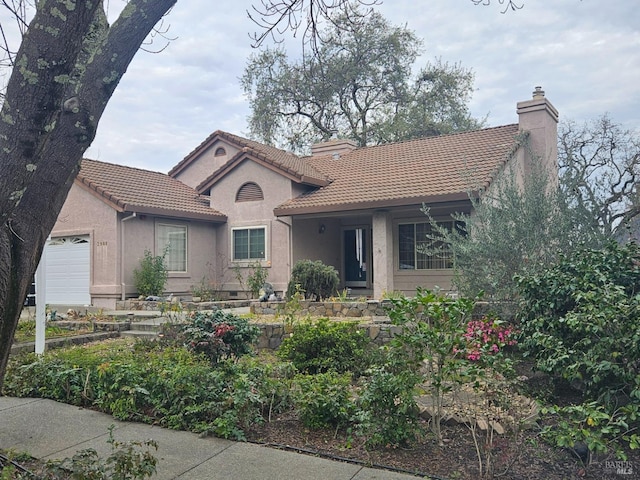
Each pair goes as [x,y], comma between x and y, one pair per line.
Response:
[233,202]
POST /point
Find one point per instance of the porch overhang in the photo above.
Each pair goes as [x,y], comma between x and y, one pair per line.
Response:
[346,208]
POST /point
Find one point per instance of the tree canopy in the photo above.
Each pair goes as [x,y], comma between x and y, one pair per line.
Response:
[599,165]
[359,84]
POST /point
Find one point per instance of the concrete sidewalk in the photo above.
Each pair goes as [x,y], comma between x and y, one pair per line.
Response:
[51,430]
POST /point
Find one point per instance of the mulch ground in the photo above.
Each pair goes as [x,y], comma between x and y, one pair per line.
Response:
[521,456]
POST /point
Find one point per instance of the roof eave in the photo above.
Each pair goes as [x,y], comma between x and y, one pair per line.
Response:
[101,194]
[377,204]
[166,212]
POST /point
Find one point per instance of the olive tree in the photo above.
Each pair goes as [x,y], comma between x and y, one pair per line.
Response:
[522,228]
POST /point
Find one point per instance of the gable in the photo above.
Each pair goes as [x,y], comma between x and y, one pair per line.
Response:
[238,191]
[208,160]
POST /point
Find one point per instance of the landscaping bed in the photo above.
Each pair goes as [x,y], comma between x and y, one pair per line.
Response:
[439,399]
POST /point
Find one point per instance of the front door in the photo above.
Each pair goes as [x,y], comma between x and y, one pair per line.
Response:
[355,257]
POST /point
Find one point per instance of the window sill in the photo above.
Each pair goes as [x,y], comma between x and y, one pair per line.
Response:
[178,274]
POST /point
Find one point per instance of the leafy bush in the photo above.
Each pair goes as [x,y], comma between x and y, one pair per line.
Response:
[317,280]
[257,278]
[486,336]
[595,426]
[127,461]
[324,400]
[219,335]
[581,324]
[328,345]
[169,386]
[440,340]
[581,321]
[151,277]
[387,411]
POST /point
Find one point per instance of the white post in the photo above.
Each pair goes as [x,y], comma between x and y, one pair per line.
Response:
[41,302]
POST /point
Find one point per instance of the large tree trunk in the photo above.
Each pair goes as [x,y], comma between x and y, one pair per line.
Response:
[68,66]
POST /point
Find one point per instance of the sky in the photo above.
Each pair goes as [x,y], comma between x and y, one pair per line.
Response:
[584,53]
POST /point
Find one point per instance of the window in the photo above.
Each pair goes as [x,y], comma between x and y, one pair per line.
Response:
[220,152]
[172,242]
[249,243]
[417,251]
[249,192]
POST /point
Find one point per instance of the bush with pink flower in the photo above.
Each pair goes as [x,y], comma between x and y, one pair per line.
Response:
[485,337]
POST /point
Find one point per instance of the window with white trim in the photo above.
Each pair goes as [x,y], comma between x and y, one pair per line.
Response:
[171,240]
[418,250]
[249,243]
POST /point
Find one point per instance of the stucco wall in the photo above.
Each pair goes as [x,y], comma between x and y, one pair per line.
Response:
[208,162]
[83,214]
[276,189]
[309,243]
[312,242]
[140,235]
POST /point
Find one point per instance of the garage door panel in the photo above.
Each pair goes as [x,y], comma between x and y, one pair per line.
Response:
[68,271]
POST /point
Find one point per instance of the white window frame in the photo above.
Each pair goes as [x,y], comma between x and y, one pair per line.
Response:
[249,260]
[161,246]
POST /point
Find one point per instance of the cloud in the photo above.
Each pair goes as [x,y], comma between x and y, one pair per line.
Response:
[586,56]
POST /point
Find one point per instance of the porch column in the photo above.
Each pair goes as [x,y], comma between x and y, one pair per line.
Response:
[382,233]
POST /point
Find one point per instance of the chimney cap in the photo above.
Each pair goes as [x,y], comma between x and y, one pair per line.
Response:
[538,92]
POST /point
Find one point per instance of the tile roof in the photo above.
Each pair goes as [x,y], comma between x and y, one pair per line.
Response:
[405,173]
[144,191]
[287,162]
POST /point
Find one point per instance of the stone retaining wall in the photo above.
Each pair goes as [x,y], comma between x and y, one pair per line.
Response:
[64,341]
[137,305]
[272,334]
[97,326]
[371,308]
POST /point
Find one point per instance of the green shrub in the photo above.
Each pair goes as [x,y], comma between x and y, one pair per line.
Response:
[581,324]
[592,424]
[387,411]
[127,461]
[206,290]
[219,335]
[328,345]
[324,400]
[433,342]
[581,321]
[151,277]
[317,280]
[169,386]
[257,278]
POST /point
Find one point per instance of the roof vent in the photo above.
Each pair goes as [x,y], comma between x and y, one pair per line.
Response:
[335,156]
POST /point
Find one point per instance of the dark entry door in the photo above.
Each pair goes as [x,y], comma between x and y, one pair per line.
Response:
[355,257]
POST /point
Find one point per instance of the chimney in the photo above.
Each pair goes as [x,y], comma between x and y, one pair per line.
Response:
[540,118]
[334,147]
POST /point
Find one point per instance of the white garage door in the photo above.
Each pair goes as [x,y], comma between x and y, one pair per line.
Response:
[67,271]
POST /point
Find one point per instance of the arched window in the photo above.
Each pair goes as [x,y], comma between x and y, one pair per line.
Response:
[220,152]
[249,192]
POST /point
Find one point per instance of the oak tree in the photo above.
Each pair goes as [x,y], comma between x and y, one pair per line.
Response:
[358,83]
